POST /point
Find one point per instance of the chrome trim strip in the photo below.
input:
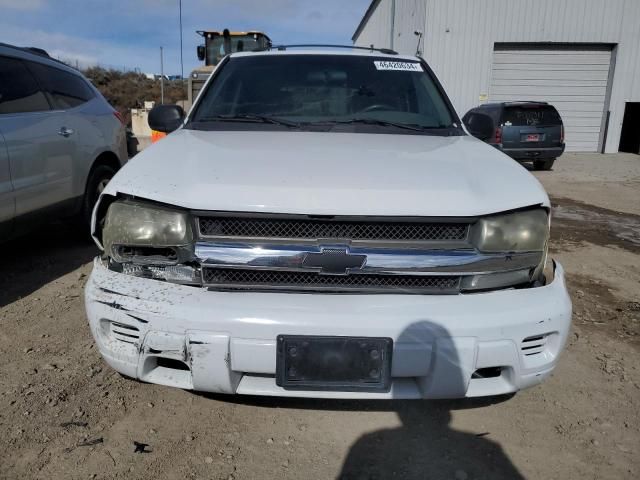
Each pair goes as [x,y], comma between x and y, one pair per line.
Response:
[379,260]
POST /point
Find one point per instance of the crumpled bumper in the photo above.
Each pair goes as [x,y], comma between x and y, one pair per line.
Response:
[225,342]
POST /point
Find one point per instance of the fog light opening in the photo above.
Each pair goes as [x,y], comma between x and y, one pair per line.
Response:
[171,363]
[488,372]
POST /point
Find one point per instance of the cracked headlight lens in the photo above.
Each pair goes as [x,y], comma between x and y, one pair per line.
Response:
[139,232]
[526,231]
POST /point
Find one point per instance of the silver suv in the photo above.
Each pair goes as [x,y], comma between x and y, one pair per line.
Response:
[60,141]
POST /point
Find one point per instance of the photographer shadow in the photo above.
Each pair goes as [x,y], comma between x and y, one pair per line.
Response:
[425,446]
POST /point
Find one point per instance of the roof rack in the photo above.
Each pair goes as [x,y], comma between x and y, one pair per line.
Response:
[386,51]
[38,51]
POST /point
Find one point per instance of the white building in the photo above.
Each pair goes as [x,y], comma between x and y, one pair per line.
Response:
[583,56]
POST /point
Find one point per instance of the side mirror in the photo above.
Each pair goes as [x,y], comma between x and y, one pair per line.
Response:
[479,125]
[166,118]
[201,52]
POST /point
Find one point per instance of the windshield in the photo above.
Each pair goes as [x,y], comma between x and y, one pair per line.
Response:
[217,49]
[325,89]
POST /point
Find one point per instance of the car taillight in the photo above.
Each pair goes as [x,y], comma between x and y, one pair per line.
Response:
[119,116]
[562,134]
[498,135]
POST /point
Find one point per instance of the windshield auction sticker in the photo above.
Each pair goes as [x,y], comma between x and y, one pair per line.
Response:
[404,66]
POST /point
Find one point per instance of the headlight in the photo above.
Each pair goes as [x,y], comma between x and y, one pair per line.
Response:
[526,231]
[146,233]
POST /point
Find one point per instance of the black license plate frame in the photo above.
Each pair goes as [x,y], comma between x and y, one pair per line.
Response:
[334,363]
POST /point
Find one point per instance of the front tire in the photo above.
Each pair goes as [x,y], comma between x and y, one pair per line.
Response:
[98,180]
[543,164]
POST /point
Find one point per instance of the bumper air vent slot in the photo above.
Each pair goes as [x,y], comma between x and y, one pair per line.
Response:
[125,333]
[534,345]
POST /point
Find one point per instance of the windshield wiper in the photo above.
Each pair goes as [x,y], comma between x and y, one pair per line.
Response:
[249,118]
[382,123]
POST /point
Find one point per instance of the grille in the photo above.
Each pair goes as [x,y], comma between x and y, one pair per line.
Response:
[337,229]
[269,279]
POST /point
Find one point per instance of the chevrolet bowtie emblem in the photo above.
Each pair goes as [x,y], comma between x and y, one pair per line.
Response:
[334,261]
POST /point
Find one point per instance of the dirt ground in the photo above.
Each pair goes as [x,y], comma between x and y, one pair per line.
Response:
[65,414]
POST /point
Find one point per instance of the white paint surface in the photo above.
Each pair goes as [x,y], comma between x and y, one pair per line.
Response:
[329,174]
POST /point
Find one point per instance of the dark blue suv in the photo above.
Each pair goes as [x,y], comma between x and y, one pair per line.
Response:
[526,131]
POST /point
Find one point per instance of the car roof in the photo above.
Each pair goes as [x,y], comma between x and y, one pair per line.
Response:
[327,51]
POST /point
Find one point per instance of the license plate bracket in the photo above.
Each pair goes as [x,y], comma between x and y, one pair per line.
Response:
[334,363]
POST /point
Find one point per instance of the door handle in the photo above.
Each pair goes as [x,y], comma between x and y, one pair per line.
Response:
[65,132]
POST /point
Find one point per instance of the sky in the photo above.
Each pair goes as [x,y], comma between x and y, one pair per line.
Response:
[127,34]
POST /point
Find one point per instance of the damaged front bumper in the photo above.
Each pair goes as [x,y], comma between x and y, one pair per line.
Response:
[225,342]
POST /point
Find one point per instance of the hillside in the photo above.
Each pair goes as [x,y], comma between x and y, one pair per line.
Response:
[126,90]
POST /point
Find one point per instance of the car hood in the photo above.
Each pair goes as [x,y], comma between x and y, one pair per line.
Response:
[328,174]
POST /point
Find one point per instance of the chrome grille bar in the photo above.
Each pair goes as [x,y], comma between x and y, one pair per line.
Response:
[379,261]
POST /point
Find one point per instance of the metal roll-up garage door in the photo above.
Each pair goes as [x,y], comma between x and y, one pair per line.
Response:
[572,78]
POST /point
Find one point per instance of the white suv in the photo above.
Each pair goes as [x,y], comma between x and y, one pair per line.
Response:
[321,225]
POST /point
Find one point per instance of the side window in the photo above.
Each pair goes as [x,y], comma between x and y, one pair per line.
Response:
[19,91]
[471,118]
[480,125]
[65,89]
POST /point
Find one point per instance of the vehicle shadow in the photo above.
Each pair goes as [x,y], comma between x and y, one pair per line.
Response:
[425,445]
[39,257]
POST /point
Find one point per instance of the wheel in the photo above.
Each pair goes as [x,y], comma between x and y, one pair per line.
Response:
[98,180]
[543,164]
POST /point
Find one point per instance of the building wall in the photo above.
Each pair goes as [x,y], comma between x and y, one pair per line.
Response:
[408,14]
[411,15]
[459,36]
[378,26]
